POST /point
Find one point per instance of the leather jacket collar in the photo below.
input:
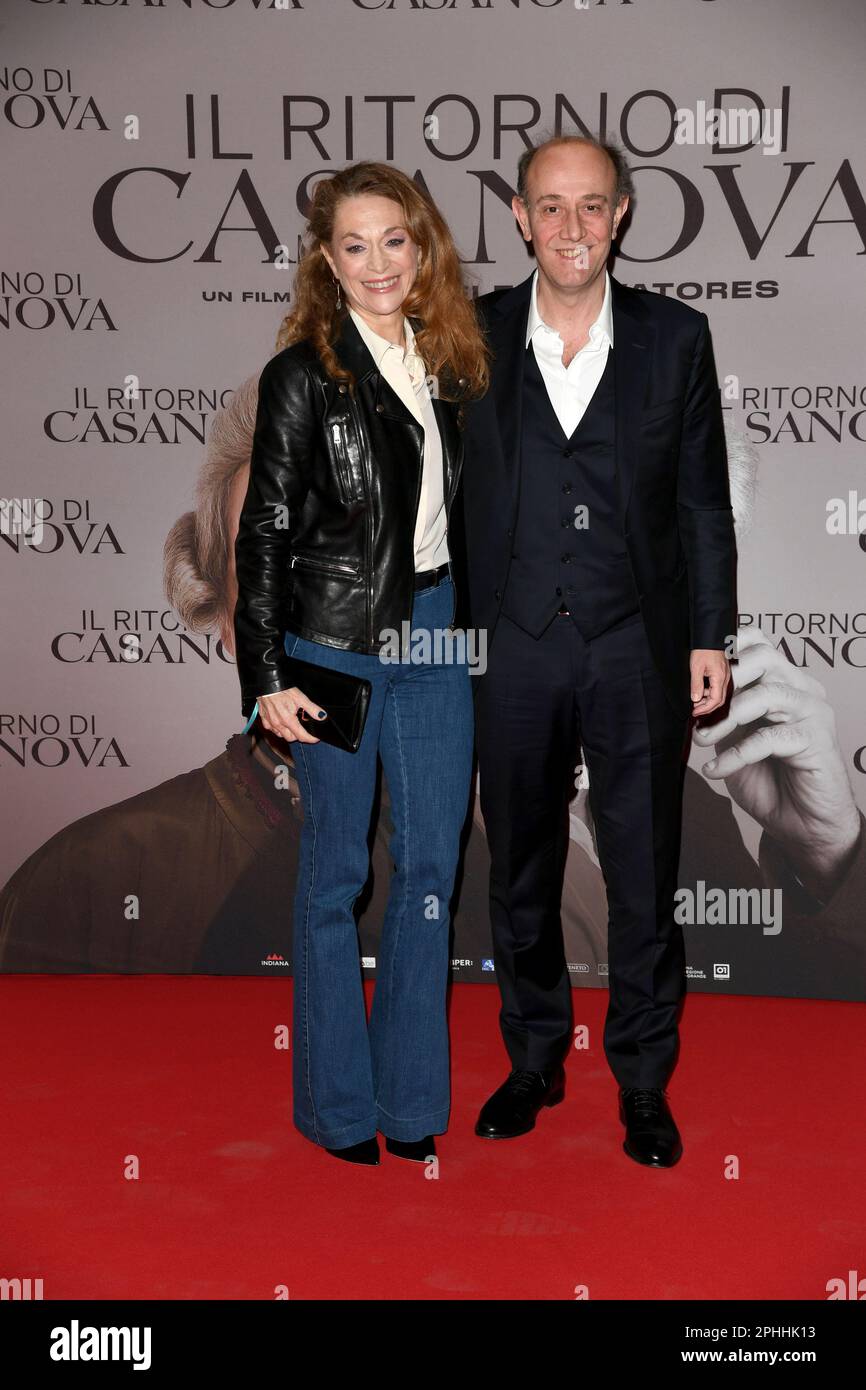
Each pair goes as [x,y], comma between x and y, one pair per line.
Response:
[353,352]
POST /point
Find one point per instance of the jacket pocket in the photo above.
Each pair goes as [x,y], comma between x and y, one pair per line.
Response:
[660,410]
[326,564]
[346,458]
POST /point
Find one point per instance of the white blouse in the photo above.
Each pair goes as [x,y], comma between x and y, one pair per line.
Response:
[406,373]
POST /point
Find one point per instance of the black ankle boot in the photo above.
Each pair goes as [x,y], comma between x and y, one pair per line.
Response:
[418,1150]
[365,1152]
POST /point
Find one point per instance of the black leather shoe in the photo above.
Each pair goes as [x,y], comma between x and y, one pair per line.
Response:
[418,1150]
[365,1152]
[512,1109]
[651,1136]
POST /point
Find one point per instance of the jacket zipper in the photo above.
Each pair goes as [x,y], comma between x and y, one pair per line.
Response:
[404,641]
[340,435]
[367,470]
[312,562]
[458,463]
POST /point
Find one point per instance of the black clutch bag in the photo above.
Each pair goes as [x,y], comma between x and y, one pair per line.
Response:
[344,698]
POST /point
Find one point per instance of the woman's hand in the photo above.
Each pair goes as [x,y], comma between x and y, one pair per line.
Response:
[282,712]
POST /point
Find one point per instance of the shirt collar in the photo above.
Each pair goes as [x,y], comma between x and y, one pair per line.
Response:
[601,330]
[376,343]
[380,346]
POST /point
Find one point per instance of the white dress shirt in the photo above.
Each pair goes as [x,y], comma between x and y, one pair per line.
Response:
[407,374]
[570,388]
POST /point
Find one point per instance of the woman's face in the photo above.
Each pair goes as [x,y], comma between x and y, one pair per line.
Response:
[372,255]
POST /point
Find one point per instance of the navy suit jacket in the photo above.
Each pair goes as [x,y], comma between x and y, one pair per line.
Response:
[671,469]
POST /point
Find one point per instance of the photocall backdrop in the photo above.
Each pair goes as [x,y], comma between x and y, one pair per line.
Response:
[156,155]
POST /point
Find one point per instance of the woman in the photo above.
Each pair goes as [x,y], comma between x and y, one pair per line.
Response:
[343,541]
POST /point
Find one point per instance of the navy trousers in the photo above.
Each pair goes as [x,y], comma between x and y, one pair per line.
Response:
[537,702]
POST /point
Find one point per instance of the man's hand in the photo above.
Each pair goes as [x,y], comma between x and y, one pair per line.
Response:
[282,712]
[716,667]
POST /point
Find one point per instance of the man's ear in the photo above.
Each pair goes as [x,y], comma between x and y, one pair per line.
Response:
[518,207]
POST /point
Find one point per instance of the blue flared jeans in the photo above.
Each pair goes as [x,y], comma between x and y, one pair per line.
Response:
[351,1079]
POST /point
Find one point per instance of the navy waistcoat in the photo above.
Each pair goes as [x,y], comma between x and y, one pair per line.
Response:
[555,562]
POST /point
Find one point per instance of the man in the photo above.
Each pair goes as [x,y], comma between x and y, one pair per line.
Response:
[600,550]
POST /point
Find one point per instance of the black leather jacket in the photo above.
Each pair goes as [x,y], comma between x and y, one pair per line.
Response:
[325,541]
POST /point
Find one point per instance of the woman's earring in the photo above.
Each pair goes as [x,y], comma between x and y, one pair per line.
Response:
[337,283]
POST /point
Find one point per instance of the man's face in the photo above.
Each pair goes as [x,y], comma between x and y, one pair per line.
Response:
[571,215]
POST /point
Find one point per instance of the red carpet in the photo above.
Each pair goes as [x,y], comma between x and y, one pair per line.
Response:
[232,1202]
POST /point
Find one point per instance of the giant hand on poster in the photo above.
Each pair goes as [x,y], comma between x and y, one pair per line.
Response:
[214,848]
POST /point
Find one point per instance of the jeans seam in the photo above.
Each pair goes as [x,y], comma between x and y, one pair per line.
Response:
[306,1028]
[402,915]
[353,1125]
[410,1119]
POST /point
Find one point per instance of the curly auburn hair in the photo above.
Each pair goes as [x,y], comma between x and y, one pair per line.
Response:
[450,339]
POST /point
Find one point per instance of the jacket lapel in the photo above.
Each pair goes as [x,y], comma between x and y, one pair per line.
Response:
[353,353]
[507,334]
[634,342]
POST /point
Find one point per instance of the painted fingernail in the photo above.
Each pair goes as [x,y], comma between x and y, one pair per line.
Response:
[322,714]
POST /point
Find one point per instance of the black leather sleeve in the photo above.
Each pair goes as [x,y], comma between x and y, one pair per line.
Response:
[280,465]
